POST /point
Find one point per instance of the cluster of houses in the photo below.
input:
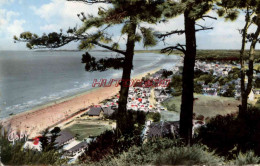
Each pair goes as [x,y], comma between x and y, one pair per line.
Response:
[218,69]
[139,97]
[70,146]
[222,70]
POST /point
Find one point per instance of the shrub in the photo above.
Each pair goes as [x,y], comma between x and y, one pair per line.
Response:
[230,134]
[219,134]
[155,117]
[195,155]
[17,155]
[246,158]
[163,152]
[170,106]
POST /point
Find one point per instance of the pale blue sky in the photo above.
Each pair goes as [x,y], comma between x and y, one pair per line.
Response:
[40,16]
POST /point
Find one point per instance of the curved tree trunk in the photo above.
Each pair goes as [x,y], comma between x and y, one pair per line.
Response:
[122,119]
[250,74]
[244,96]
[187,80]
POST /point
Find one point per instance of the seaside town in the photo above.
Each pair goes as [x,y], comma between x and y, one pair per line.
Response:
[136,82]
[148,99]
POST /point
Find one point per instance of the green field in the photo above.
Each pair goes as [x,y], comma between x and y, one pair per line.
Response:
[85,129]
[210,106]
[170,116]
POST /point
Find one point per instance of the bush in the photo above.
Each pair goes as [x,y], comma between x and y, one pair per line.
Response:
[155,117]
[195,155]
[163,152]
[246,158]
[230,134]
[17,155]
[170,106]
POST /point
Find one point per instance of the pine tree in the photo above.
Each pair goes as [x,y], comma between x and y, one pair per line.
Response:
[230,11]
[131,14]
[193,11]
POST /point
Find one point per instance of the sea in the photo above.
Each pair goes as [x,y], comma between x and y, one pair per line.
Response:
[29,79]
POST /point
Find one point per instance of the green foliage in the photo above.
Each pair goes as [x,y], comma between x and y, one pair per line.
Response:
[170,106]
[230,91]
[89,23]
[208,78]
[17,155]
[257,83]
[148,37]
[103,64]
[48,140]
[115,46]
[155,117]
[194,155]
[176,83]
[232,15]
[221,12]
[246,159]
[163,152]
[229,135]
[166,73]
[197,88]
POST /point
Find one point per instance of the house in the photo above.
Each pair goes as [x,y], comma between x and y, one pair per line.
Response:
[100,111]
[256,91]
[201,82]
[65,137]
[95,112]
[77,149]
[163,129]
[210,92]
[108,111]
[251,96]
[160,95]
[225,73]
[205,87]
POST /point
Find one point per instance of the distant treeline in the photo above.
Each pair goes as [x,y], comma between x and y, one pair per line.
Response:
[212,55]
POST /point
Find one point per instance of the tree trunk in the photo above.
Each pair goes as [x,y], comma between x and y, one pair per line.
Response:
[186,115]
[250,73]
[122,118]
[244,96]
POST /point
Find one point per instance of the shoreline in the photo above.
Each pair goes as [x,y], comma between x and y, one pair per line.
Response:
[41,117]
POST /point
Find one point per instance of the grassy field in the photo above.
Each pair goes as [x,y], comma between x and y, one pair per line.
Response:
[210,106]
[85,128]
[170,116]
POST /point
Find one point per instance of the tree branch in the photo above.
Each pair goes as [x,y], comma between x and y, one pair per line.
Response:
[178,47]
[207,16]
[109,48]
[203,28]
[163,36]
[54,40]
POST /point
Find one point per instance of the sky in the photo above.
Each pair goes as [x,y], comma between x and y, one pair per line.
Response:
[39,16]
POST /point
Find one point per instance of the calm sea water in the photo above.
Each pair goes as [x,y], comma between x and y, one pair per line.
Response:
[29,79]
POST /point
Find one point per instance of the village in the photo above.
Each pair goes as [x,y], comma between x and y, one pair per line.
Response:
[148,99]
[222,70]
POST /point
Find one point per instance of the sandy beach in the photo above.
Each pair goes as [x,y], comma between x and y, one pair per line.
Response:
[36,120]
